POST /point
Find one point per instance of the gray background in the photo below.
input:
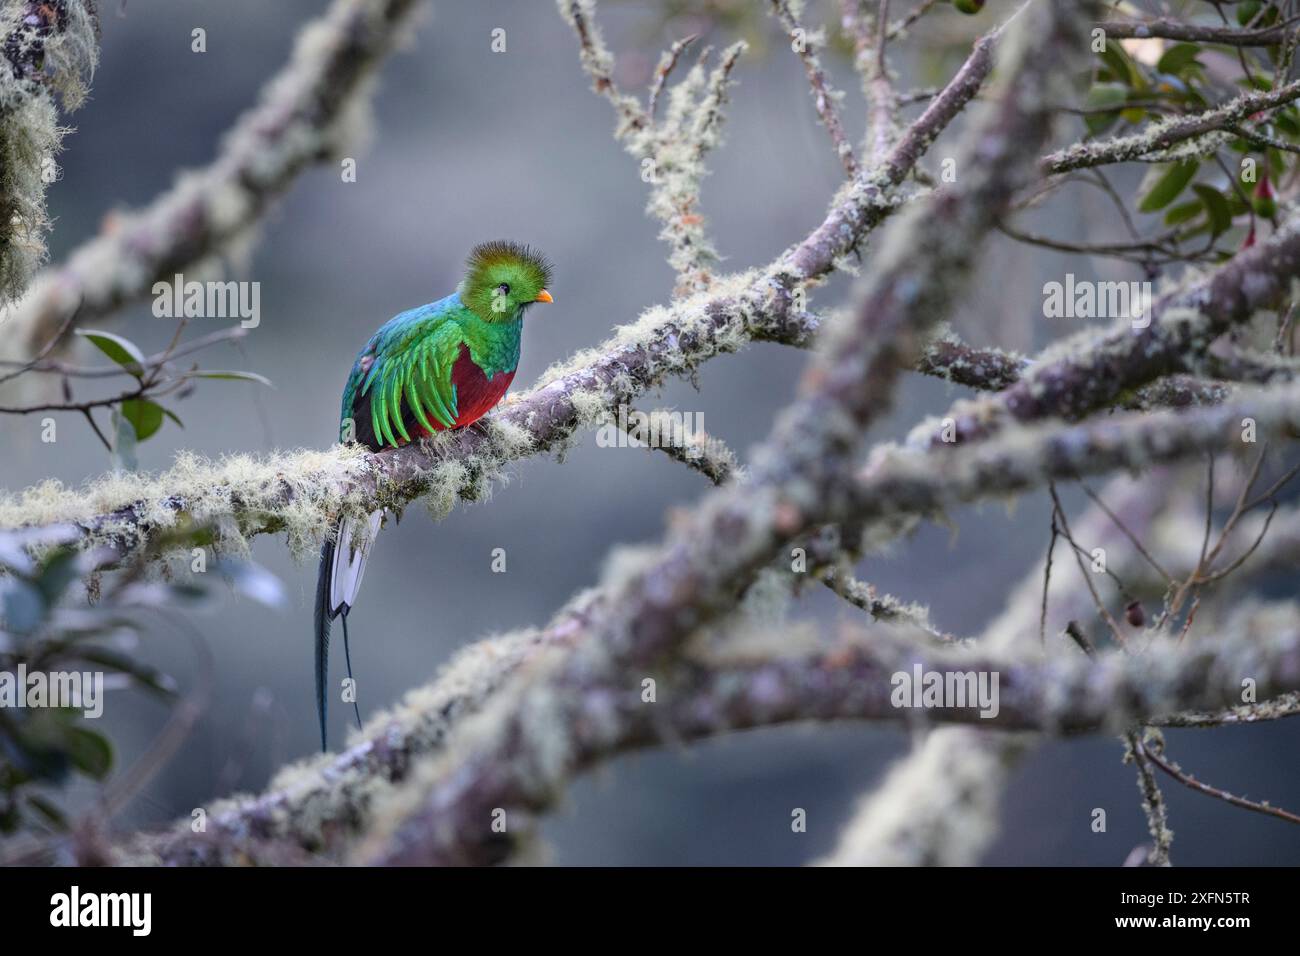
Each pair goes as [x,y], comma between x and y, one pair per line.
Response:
[468,146]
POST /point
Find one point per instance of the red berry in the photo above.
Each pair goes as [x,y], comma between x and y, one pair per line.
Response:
[1134,614]
[1265,202]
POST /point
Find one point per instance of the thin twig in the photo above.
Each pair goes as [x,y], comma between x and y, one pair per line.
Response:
[1187,780]
[1083,570]
[667,61]
[823,96]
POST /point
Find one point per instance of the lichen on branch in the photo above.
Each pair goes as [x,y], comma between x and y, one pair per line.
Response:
[45,48]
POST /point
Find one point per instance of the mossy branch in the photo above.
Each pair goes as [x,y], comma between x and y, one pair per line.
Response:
[303,493]
[1092,371]
[309,113]
[750,682]
[1196,33]
[671,148]
[939,805]
[1179,137]
[1069,695]
[46,48]
[513,718]
[523,747]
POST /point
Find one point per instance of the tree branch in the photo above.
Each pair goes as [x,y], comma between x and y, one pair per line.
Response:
[309,113]
[692,578]
[1196,33]
[302,494]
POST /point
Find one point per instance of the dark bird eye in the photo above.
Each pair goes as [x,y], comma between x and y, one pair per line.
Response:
[503,289]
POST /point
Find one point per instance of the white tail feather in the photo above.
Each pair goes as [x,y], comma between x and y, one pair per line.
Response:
[350,560]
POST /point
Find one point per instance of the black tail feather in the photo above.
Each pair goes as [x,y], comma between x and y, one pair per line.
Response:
[347,656]
[323,618]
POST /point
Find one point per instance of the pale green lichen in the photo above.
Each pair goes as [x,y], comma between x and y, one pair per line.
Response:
[672,339]
[745,642]
[1152,142]
[591,408]
[236,495]
[30,136]
[937,807]
[672,147]
[447,481]
[624,564]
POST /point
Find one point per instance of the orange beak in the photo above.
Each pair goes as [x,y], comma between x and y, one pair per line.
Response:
[543,296]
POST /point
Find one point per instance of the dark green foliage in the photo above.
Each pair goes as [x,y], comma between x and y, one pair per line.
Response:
[1128,92]
[45,630]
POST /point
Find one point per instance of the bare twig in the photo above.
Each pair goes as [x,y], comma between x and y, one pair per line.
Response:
[1157,757]
[803,42]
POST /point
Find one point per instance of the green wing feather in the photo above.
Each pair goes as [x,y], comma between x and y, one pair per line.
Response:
[415,365]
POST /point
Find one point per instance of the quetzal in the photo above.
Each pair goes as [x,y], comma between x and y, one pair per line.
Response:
[441,366]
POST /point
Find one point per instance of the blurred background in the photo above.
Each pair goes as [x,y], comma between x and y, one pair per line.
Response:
[470,145]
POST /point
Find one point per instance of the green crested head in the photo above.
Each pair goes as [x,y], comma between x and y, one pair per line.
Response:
[504,278]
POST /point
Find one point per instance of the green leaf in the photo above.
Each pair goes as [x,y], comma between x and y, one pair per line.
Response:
[146,417]
[122,351]
[1195,99]
[1216,208]
[1183,212]
[89,751]
[232,375]
[1276,163]
[34,745]
[59,571]
[23,608]
[146,676]
[172,415]
[52,814]
[123,456]
[1121,67]
[1102,97]
[1178,58]
[1169,182]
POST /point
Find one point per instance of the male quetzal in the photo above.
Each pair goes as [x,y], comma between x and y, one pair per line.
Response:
[443,365]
